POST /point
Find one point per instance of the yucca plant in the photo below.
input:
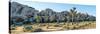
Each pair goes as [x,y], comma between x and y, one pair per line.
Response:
[72,14]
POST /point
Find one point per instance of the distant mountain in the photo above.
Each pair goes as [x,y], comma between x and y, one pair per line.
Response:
[47,12]
[18,9]
[47,15]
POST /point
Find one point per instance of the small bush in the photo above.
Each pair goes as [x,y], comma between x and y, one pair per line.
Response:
[38,30]
[28,29]
[57,26]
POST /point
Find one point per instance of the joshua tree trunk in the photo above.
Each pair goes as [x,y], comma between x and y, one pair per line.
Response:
[72,19]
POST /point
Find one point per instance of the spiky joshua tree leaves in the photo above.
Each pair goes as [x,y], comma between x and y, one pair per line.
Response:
[72,14]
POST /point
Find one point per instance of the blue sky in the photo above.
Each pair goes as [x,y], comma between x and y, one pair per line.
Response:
[90,9]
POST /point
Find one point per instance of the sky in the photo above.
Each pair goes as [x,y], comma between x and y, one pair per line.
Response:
[90,9]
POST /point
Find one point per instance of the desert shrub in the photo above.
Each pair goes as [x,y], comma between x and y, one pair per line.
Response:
[18,21]
[28,28]
[38,19]
[42,25]
[65,27]
[57,25]
[38,30]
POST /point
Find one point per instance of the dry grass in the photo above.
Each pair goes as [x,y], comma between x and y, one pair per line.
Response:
[46,27]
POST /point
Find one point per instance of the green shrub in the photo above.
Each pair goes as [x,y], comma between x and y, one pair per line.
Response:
[28,28]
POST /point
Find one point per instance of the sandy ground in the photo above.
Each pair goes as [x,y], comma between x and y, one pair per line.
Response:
[47,27]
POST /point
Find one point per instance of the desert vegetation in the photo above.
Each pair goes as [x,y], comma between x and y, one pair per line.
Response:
[28,19]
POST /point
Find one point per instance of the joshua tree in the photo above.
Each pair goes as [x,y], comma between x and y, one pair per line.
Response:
[72,14]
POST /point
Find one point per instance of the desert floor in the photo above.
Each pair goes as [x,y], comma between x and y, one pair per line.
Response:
[48,27]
